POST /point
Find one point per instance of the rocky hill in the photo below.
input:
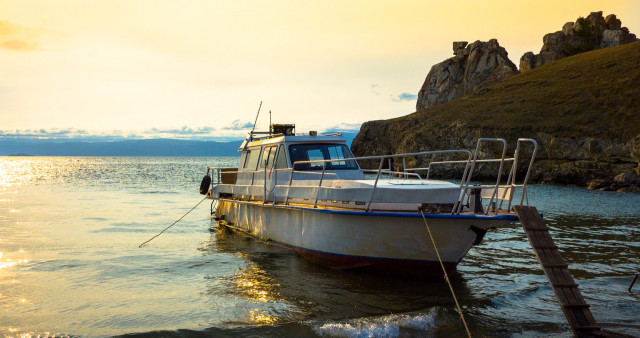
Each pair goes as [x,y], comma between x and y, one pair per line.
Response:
[586,34]
[584,111]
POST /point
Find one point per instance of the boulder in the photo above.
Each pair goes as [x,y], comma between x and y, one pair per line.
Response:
[592,32]
[634,151]
[613,22]
[474,66]
[627,179]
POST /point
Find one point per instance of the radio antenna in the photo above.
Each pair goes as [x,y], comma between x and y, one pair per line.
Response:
[256,121]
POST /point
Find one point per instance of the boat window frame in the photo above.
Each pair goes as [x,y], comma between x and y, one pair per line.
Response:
[281,154]
[270,159]
[249,159]
[346,152]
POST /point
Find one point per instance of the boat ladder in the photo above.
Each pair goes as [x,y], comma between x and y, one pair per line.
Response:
[575,309]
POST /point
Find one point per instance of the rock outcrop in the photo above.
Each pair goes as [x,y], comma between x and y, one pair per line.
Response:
[473,68]
[586,34]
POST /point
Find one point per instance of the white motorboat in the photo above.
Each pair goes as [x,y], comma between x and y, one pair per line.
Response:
[310,194]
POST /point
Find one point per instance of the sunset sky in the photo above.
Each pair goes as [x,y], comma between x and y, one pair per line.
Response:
[199,69]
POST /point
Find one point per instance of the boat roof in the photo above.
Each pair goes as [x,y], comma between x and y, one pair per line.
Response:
[333,138]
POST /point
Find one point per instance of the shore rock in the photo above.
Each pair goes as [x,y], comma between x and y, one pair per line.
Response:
[599,164]
[473,68]
[592,32]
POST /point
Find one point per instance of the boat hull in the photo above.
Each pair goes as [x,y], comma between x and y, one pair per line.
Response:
[375,241]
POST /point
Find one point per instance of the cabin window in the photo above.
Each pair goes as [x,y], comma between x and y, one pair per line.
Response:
[268,155]
[252,159]
[315,152]
[281,160]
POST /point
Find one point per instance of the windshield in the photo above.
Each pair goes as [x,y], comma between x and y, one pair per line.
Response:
[319,152]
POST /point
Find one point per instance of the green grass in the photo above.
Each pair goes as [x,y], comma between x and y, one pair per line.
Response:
[594,94]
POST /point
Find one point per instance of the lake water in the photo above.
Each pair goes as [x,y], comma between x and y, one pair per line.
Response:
[70,264]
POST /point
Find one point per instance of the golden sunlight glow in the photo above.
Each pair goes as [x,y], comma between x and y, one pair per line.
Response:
[260,318]
[253,283]
[12,262]
[7,265]
[120,59]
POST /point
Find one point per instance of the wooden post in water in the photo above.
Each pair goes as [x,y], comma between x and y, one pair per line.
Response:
[556,269]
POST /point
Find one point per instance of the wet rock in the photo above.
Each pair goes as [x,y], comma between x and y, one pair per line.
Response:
[627,179]
[634,151]
[599,184]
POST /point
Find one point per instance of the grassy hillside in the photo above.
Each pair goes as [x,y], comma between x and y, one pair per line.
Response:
[594,94]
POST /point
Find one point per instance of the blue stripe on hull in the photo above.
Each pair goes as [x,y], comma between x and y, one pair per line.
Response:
[382,213]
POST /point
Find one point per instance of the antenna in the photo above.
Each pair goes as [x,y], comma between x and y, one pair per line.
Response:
[270,120]
[256,121]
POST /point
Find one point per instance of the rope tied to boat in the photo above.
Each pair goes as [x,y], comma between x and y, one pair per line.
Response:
[446,276]
[174,223]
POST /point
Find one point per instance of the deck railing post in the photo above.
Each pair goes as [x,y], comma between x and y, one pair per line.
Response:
[495,191]
[375,184]
[466,185]
[514,181]
[324,166]
[293,170]
[463,184]
[526,178]
[264,180]
[404,168]
[275,185]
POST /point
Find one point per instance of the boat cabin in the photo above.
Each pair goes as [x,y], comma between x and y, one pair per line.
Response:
[283,152]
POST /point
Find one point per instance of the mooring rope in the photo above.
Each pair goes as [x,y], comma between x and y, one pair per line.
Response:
[174,223]
[446,277]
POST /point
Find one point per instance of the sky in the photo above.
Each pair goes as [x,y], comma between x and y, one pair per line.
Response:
[199,69]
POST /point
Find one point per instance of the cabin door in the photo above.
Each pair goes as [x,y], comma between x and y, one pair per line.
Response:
[267,167]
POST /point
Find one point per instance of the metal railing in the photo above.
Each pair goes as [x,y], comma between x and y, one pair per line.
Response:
[470,163]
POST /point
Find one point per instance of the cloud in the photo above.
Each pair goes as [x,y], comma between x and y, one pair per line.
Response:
[238,125]
[18,45]
[17,38]
[405,97]
[72,134]
[343,128]
[43,133]
[7,28]
[374,89]
[182,131]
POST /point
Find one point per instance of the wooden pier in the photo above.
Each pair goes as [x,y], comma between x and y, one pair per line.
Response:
[556,269]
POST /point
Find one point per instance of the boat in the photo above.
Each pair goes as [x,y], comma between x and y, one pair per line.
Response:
[309,193]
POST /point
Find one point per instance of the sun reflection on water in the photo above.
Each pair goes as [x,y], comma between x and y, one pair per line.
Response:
[261,318]
[253,283]
[256,285]
[9,262]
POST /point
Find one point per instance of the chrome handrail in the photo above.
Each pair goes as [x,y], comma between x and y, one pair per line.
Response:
[382,158]
[499,191]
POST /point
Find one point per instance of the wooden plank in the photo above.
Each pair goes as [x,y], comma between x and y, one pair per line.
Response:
[564,286]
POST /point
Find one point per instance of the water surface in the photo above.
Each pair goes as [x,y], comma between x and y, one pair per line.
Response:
[70,264]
